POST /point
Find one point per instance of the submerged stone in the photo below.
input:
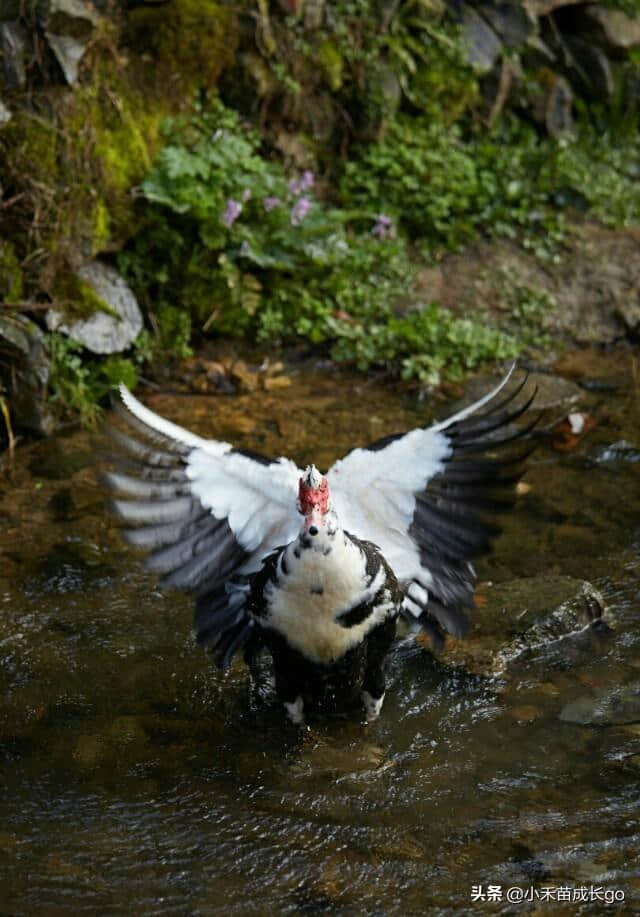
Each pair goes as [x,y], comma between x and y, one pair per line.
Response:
[110,331]
[524,616]
[615,453]
[605,708]
[552,392]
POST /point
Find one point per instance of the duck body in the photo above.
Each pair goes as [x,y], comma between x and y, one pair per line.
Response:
[326,608]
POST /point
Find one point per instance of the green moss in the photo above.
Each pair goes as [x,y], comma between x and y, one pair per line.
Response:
[73,159]
[120,130]
[191,40]
[101,227]
[29,144]
[77,298]
[331,61]
[11,281]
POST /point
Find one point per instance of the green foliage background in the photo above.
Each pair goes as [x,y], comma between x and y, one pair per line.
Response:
[351,154]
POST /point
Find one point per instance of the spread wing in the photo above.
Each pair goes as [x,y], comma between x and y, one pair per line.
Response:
[207,512]
[430,498]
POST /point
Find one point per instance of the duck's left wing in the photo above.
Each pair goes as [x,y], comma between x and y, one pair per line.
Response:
[429,499]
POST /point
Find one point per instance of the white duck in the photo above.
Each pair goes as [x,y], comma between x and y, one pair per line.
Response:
[316,569]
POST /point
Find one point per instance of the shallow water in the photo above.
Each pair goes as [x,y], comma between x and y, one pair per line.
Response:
[136,779]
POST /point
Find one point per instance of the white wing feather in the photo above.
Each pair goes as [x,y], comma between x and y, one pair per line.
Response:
[257,500]
[374,492]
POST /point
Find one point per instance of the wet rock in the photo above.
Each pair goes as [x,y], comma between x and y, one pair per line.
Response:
[629,312]
[269,383]
[482,45]
[621,451]
[553,392]
[23,349]
[612,707]
[13,38]
[314,14]
[537,8]
[103,332]
[69,16]
[558,116]
[89,751]
[621,31]
[69,28]
[510,21]
[590,68]
[523,616]
[68,52]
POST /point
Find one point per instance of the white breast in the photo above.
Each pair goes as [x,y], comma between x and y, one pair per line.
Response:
[316,589]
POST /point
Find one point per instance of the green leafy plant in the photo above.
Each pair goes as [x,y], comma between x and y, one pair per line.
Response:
[446,185]
[242,248]
[425,344]
[78,382]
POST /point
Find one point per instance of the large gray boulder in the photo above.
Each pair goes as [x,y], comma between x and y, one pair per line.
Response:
[112,330]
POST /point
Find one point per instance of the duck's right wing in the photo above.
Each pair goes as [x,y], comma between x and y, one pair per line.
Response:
[207,513]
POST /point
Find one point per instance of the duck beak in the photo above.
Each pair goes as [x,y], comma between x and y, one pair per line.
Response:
[314,518]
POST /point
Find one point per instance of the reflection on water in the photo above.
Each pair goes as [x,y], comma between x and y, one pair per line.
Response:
[137,779]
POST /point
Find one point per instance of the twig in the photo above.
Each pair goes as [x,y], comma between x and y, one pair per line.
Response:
[10,201]
[4,409]
[26,306]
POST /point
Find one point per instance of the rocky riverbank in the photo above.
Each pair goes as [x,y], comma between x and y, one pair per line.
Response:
[412,188]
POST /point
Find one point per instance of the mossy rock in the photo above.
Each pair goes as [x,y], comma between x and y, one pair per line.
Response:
[97,309]
[191,41]
[11,281]
[74,158]
[77,298]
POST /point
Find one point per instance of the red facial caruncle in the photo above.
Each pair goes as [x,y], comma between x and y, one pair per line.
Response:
[313,496]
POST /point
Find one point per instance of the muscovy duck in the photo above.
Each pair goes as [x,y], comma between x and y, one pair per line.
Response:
[317,568]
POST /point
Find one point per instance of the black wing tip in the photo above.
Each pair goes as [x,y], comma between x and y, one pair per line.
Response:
[232,641]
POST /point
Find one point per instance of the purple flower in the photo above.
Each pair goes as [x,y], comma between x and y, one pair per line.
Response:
[299,210]
[270,203]
[307,180]
[232,212]
[382,226]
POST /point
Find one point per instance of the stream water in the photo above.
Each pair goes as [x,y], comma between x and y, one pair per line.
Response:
[136,779]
